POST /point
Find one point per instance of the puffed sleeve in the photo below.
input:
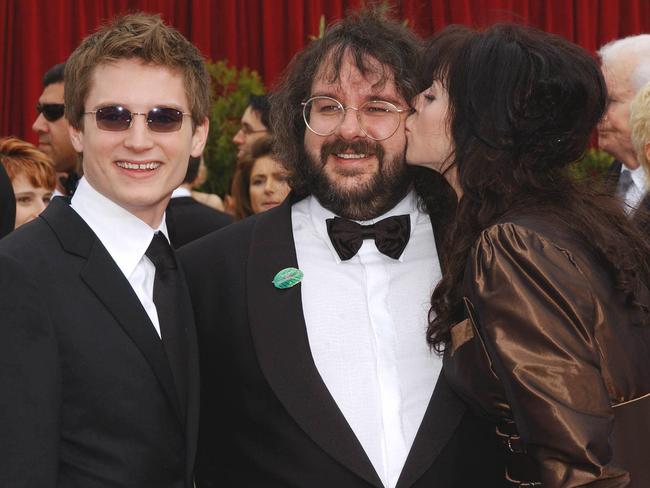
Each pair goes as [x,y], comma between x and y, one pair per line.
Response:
[535,310]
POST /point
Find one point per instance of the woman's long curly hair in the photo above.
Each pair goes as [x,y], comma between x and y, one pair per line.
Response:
[522,107]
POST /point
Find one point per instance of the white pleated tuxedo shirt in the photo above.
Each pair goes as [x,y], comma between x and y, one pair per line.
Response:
[125,237]
[366,321]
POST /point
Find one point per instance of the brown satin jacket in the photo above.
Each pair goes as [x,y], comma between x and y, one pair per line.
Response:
[550,352]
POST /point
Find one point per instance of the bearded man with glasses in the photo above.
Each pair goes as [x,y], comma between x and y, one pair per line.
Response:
[311,316]
[97,340]
[52,129]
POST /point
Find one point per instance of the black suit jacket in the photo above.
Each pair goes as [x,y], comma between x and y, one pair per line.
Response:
[267,417]
[88,398]
[187,220]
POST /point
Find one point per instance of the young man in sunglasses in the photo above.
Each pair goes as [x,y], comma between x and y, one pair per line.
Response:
[311,316]
[97,344]
[52,129]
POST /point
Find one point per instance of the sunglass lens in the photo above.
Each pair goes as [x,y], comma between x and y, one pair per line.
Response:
[164,119]
[113,118]
[51,111]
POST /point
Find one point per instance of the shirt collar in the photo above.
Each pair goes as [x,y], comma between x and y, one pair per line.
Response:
[181,191]
[125,236]
[319,215]
[638,177]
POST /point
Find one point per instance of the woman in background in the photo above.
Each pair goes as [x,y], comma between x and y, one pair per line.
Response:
[260,182]
[32,177]
[544,306]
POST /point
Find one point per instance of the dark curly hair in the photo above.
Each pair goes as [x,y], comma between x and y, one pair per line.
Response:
[368,36]
[522,106]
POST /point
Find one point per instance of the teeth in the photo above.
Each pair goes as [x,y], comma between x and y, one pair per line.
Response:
[351,156]
[140,166]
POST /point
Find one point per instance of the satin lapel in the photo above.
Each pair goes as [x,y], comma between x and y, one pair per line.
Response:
[280,336]
[104,278]
[440,421]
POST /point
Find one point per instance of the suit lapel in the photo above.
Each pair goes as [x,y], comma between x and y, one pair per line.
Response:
[104,278]
[280,336]
[440,421]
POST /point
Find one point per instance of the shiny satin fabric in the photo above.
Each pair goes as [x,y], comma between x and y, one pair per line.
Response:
[550,344]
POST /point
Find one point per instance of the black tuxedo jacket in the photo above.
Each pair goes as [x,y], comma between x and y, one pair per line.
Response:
[187,220]
[267,417]
[87,393]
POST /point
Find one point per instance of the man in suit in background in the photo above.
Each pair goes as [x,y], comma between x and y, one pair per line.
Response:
[254,124]
[187,219]
[99,368]
[315,368]
[52,129]
[626,68]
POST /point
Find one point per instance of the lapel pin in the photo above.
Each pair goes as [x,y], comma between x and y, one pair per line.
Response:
[287,277]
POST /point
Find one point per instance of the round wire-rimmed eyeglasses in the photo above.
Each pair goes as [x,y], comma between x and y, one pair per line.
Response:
[378,119]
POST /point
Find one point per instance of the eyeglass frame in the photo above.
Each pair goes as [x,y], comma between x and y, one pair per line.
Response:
[398,111]
[41,108]
[146,114]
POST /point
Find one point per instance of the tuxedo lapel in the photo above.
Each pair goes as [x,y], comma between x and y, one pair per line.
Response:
[280,336]
[107,282]
[442,417]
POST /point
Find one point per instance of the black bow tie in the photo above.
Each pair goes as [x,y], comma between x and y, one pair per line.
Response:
[391,235]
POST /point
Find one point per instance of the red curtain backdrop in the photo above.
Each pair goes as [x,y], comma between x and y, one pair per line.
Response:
[265,34]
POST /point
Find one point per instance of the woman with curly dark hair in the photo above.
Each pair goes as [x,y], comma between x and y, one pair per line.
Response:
[543,310]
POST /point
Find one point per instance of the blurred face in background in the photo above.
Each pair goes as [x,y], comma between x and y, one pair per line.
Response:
[31,200]
[268,185]
[251,130]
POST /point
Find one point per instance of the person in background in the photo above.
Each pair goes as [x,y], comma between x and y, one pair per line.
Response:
[261,182]
[543,310]
[640,131]
[254,124]
[188,219]
[52,128]
[32,177]
[210,199]
[626,68]
[7,204]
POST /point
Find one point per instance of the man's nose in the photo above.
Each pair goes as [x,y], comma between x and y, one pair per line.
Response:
[350,128]
[40,124]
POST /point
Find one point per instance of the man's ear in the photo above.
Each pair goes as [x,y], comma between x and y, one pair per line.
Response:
[199,138]
[77,138]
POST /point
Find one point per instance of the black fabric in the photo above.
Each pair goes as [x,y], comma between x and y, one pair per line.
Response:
[167,293]
[69,183]
[7,204]
[391,235]
[187,220]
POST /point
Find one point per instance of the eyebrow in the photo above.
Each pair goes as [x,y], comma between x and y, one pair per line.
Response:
[368,98]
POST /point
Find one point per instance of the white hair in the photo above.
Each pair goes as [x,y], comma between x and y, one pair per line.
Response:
[640,124]
[637,47]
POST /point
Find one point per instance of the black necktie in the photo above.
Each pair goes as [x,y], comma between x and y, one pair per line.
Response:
[391,235]
[167,292]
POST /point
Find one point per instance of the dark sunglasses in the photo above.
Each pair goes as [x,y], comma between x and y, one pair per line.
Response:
[51,111]
[117,118]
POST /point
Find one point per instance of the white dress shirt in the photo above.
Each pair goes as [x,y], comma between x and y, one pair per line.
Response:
[366,322]
[125,237]
[636,190]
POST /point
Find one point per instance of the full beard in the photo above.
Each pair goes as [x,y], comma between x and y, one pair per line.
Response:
[363,200]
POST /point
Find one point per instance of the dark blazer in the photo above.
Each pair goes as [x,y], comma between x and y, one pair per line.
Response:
[187,220]
[88,396]
[267,417]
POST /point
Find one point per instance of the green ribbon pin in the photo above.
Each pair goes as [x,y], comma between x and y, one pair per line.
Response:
[287,277]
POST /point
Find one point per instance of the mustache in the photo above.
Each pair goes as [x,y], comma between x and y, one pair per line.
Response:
[361,146]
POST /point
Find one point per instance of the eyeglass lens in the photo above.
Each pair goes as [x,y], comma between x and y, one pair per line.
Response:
[51,111]
[159,119]
[378,119]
